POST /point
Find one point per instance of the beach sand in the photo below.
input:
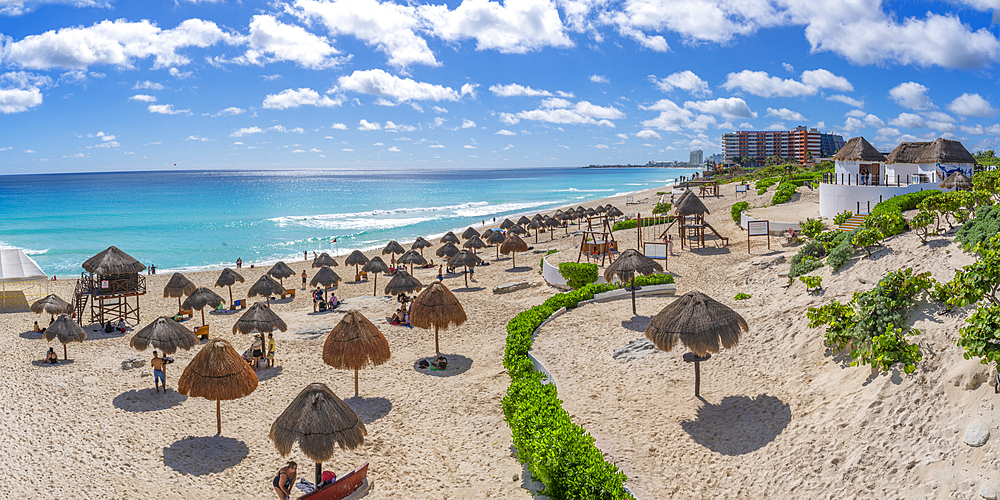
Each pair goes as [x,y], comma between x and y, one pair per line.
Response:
[782,417]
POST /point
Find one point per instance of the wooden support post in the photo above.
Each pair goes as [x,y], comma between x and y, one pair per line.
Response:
[218,416]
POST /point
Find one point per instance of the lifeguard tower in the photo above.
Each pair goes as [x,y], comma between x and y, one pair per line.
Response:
[112,280]
[598,242]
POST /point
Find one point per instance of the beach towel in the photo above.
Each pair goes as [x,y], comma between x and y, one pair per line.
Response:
[305,486]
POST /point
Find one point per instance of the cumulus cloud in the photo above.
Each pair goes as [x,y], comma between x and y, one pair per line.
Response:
[516,26]
[197,138]
[504,131]
[437,146]
[672,117]
[762,84]
[365,125]
[562,111]
[785,114]
[911,95]
[246,131]
[685,80]
[147,85]
[648,134]
[230,111]
[655,42]
[515,90]
[338,126]
[600,146]
[143,97]
[167,109]
[908,120]
[466,123]
[599,79]
[271,40]
[392,127]
[972,105]
[850,101]
[728,107]
[378,83]
[293,98]
[19,100]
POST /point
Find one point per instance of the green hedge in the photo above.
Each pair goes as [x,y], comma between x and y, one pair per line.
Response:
[737,209]
[578,275]
[785,191]
[889,212]
[646,222]
[982,227]
[558,452]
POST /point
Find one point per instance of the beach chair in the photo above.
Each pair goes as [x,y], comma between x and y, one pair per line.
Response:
[290,291]
[201,331]
[353,485]
[239,304]
[363,275]
[185,312]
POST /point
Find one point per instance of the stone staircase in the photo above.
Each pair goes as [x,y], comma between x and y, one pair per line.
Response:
[856,221]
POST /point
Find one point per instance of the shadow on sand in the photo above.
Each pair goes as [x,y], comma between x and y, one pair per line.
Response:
[143,400]
[520,269]
[637,323]
[268,373]
[369,409]
[43,364]
[739,424]
[457,365]
[203,455]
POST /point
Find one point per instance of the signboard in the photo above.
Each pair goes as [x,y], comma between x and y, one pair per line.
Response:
[758,228]
[104,283]
[655,250]
[742,188]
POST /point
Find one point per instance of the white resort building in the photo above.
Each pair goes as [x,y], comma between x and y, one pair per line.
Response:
[862,177]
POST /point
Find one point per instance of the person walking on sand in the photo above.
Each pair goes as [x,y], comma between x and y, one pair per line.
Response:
[239,263]
[305,255]
[158,377]
[270,350]
[284,480]
[303,279]
[670,244]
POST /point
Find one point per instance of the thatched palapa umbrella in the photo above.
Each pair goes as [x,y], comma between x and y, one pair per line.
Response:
[420,244]
[450,237]
[166,335]
[511,245]
[281,271]
[412,258]
[465,259]
[203,297]
[324,259]
[496,238]
[469,233]
[506,224]
[217,373]
[402,282]
[393,248]
[52,305]
[957,181]
[475,243]
[536,225]
[486,234]
[701,323]
[552,224]
[319,421]
[627,265]
[178,286]
[376,266]
[517,230]
[354,344]
[266,286]
[447,250]
[66,330]
[228,278]
[356,259]
[259,318]
[325,277]
[436,306]
[523,221]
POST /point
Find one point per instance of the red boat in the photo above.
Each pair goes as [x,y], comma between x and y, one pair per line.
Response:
[349,487]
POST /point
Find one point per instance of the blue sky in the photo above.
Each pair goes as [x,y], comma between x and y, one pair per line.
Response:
[96,85]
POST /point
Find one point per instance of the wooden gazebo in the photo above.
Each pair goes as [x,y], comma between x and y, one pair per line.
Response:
[114,278]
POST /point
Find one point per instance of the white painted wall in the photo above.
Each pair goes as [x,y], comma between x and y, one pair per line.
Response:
[835,198]
[775,228]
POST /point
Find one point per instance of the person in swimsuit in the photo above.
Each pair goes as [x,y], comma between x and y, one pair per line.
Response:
[284,480]
[51,357]
[158,377]
[270,350]
[257,351]
[304,279]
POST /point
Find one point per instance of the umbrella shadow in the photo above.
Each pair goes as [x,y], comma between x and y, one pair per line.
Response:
[144,400]
[269,373]
[711,251]
[369,409]
[30,335]
[519,269]
[469,289]
[222,312]
[203,455]
[42,363]
[938,243]
[457,365]
[637,323]
[739,424]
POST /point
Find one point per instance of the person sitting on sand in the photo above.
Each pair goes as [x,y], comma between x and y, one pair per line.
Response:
[440,363]
[38,329]
[399,318]
[108,328]
[122,326]
[51,357]
[333,301]
[284,480]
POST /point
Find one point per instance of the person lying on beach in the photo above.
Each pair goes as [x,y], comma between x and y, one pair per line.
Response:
[284,480]
[38,329]
[51,357]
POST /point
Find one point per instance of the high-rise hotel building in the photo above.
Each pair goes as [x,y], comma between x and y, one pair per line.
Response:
[797,143]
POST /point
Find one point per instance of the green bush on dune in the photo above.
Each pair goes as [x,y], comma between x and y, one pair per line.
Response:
[578,275]
[737,209]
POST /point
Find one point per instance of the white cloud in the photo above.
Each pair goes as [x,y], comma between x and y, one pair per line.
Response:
[972,105]
[143,98]
[823,79]
[292,98]
[647,134]
[270,78]
[469,146]
[656,42]
[438,146]
[622,136]
[338,126]
[298,151]
[702,123]
[230,111]
[377,82]
[416,107]
[599,79]
[515,90]
[911,95]
[116,43]
[167,109]
[29,151]
[367,126]
[852,124]
[147,85]
[197,138]
[392,127]
[271,40]
[939,116]
[246,131]
[25,79]
[180,75]
[394,149]
[788,67]
[439,109]
[281,128]
[850,101]
[516,26]
[558,110]
[727,107]
[600,146]
[672,117]
[469,89]
[347,150]
[18,100]
[315,150]
[685,80]
[908,120]
[761,84]
[466,123]
[509,146]
[504,131]
[378,144]
[786,114]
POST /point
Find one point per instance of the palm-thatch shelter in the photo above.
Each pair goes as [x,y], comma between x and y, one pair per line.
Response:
[66,330]
[552,223]
[486,234]
[859,149]
[259,318]
[536,225]
[465,259]
[468,233]
[436,306]
[447,250]
[376,266]
[450,237]
[511,245]
[178,286]
[496,238]
[475,243]
[691,204]
[957,181]
[420,244]
[507,224]
[51,304]
[281,271]
[402,282]
[591,212]
[537,217]
[614,212]
[114,278]
[412,258]
[200,299]
[217,373]
[326,277]
[266,286]
[393,248]
[702,324]
[523,221]
[324,259]
[517,230]
[227,279]
[356,259]
[167,336]
[355,343]
[319,421]
[627,265]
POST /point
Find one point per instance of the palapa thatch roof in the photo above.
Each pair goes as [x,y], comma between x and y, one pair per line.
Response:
[685,194]
[412,257]
[280,270]
[113,261]
[591,212]
[552,222]
[535,224]
[513,243]
[402,282]
[464,258]
[630,262]
[355,343]
[450,237]
[65,329]
[858,149]
[945,151]
[448,249]
[701,323]
[517,230]
[523,220]
[229,278]
[907,152]
[474,242]
[259,318]
[486,234]
[217,373]
[436,306]
[324,259]
[319,421]
[393,248]
[164,334]
[495,238]
[178,286]
[202,297]
[51,304]
[469,233]
[506,224]
[691,204]
[420,243]
[614,212]
[325,277]
[356,258]
[376,265]
[957,180]
[266,286]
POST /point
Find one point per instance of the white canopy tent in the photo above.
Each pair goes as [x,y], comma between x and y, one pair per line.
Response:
[17,269]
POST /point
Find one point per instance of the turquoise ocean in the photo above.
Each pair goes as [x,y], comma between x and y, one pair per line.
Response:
[195,220]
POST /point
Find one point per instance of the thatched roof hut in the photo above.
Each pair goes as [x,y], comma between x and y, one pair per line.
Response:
[517,230]
[326,277]
[356,259]
[701,323]
[450,237]
[858,149]
[113,261]
[324,259]
[523,220]
[217,373]
[266,286]
[376,266]
[355,343]
[66,330]
[413,258]
[436,306]
[402,282]
[178,286]
[447,250]
[945,151]
[163,334]
[51,304]
[281,271]
[393,248]
[958,181]
[259,318]
[200,299]
[469,233]
[227,279]
[474,243]
[420,244]
[511,245]
[506,224]
[614,212]
[465,259]
[907,152]
[691,205]
[627,265]
[496,237]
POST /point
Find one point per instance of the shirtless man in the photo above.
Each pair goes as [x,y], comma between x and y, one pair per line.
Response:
[158,377]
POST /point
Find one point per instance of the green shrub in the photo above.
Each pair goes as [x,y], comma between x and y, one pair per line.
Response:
[784,192]
[866,237]
[578,275]
[811,227]
[805,265]
[813,283]
[646,222]
[984,225]
[830,239]
[840,254]
[661,208]
[921,224]
[762,184]
[738,209]
[888,223]
[893,223]
[742,296]
[842,217]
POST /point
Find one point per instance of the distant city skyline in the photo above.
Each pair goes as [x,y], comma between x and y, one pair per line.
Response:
[100,85]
